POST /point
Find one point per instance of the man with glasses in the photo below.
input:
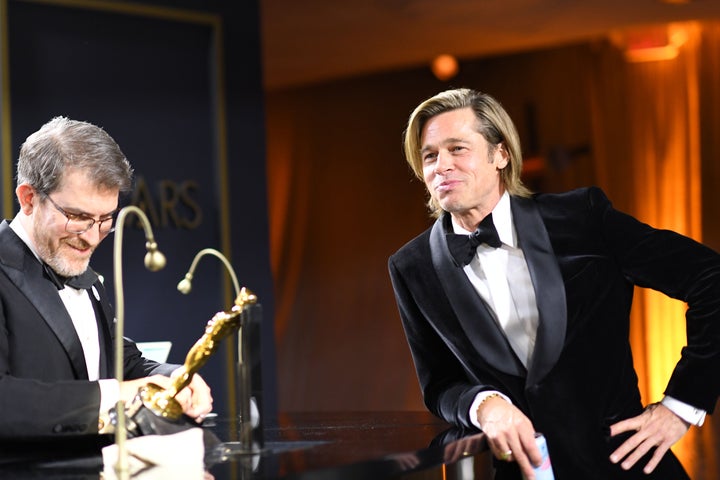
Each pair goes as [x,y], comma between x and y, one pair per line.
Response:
[56,324]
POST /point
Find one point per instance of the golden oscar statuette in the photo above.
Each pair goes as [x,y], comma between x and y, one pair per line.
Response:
[161,401]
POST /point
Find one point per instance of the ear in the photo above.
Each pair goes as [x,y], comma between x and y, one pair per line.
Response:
[501,156]
[27,197]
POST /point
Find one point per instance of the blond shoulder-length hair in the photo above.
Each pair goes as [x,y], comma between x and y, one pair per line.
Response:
[493,123]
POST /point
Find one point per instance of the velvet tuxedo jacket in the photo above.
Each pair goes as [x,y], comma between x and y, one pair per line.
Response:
[44,386]
[584,259]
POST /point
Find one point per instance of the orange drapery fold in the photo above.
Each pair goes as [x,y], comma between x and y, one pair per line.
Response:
[653,164]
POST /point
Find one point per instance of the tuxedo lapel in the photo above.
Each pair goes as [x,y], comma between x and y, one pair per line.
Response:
[26,272]
[549,287]
[105,316]
[472,312]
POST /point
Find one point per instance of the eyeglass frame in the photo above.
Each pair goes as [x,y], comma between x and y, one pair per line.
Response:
[81,216]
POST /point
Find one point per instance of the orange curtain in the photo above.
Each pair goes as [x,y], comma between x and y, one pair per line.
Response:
[342,200]
[652,164]
[288,211]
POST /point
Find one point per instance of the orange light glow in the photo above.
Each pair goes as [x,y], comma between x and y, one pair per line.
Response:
[655,43]
[445,67]
[668,52]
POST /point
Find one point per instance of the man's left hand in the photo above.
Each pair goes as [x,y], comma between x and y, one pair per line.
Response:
[656,427]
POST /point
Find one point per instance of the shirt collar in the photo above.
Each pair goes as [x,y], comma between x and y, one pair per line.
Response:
[502,218]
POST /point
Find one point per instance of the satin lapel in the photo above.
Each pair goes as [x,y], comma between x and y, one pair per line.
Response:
[549,287]
[471,311]
[105,319]
[26,272]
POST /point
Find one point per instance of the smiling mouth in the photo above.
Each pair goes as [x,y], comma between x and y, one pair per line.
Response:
[446,185]
[83,249]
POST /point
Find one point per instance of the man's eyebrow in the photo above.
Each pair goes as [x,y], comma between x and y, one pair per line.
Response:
[445,141]
[110,214]
[454,140]
[80,213]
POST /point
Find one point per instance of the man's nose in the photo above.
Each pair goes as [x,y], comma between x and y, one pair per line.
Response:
[92,235]
[444,162]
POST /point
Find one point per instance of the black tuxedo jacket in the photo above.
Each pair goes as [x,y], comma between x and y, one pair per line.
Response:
[584,258]
[44,386]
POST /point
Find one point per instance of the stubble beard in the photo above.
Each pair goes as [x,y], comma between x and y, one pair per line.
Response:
[52,255]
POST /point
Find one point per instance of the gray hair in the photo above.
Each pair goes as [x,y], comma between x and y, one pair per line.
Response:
[63,144]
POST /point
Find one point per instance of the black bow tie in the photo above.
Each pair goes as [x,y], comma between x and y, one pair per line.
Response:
[464,247]
[81,282]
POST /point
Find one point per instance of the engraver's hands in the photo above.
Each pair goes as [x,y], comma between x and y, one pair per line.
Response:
[195,399]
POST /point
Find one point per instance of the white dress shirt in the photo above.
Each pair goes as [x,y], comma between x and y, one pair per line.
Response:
[501,277]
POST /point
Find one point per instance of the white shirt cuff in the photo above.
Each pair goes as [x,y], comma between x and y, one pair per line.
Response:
[479,398]
[109,394]
[690,414]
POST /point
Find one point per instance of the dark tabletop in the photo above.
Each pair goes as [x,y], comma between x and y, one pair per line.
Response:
[332,445]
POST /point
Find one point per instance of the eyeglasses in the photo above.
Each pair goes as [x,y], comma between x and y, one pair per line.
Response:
[80,223]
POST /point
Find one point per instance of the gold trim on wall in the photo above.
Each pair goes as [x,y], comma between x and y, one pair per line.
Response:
[173,14]
[137,9]
[5,131]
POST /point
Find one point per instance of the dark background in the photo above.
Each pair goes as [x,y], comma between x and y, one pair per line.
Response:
[164,84]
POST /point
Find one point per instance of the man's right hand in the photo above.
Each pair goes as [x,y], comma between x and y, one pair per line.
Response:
[510,434]
[129,388]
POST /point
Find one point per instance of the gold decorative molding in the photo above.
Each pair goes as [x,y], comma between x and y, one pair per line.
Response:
[5,131]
